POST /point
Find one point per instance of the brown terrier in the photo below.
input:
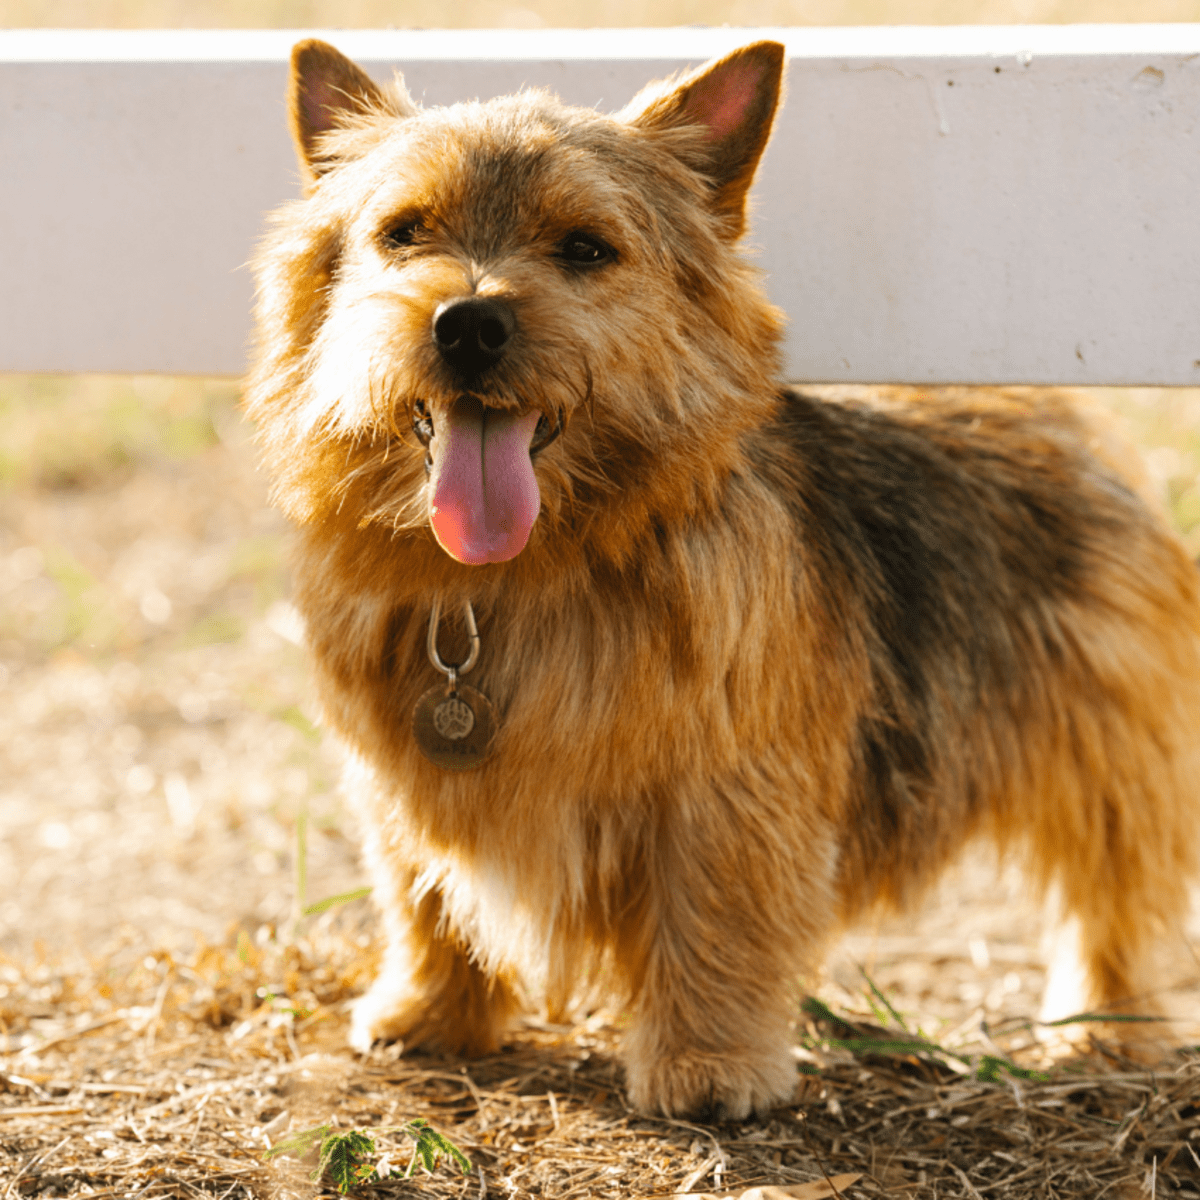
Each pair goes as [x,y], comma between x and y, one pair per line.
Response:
[748,662]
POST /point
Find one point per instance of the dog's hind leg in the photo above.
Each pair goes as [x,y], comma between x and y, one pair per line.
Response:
[1119,868]
[1099,954]
[1111,733]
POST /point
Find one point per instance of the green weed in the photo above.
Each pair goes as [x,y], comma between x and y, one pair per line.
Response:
[986,1068]
[344,1158]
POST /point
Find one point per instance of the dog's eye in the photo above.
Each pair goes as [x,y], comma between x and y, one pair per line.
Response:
[401,235]
[584,250]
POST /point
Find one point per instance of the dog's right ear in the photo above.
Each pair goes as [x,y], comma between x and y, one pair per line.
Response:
[324,88]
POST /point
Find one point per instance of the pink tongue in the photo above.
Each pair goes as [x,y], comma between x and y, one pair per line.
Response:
[483,494]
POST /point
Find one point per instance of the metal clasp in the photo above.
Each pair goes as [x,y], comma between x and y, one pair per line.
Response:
[453,671]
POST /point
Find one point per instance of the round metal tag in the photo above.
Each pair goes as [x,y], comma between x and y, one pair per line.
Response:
[454,729]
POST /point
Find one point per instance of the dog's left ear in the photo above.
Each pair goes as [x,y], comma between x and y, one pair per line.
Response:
[733,100]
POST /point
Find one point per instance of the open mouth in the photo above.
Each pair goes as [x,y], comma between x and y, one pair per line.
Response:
[544,432]
[483,493]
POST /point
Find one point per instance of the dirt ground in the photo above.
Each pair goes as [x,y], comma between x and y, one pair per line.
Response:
[158,745]
[168,807]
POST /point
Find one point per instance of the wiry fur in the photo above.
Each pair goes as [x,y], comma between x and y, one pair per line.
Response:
[766,660]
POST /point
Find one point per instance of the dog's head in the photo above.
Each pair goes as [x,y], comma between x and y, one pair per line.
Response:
[485,312]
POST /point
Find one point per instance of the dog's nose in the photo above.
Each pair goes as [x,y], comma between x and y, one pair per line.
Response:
[472,332]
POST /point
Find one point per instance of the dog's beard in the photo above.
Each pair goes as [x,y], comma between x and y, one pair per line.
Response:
[425,440]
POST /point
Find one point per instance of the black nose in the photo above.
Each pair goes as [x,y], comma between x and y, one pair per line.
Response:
[472,332]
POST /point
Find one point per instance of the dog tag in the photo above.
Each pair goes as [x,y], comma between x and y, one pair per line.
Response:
[454,728]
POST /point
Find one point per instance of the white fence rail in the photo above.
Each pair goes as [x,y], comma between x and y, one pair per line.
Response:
[1011,204]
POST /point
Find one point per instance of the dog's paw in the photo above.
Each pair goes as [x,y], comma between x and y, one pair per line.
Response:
[417,1024]
[712,1087]
[388,1013]
[383,1016]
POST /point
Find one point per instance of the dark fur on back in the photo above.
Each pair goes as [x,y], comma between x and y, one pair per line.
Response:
[984,542]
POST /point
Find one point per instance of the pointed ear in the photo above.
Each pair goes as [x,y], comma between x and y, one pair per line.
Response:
[324,87]
[733,101]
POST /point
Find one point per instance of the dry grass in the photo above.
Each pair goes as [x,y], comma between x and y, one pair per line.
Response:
[174,1082]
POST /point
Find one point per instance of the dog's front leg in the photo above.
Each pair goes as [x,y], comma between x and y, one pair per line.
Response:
[429,992]
[733,912]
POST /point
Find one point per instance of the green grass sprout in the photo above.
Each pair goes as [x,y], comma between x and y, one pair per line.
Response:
[986,1068]
[320,906]
[1084,1017]
[345,1158]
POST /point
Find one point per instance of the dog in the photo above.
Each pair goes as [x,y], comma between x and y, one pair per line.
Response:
[654,672]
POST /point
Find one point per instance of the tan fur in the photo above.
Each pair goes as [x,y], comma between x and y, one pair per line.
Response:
[767,660]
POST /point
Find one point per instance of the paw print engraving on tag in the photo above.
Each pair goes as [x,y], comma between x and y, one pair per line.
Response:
[453,719]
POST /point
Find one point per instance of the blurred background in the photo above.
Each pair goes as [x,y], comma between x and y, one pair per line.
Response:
[470,14]
[162,777]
